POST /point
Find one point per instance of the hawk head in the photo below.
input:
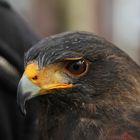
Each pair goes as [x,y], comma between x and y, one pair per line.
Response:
[78,68]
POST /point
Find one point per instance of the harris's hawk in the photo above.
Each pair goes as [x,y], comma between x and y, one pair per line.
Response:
[90,89]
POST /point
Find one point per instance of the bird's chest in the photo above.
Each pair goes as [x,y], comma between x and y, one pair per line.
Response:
[56,124]
[73,127]
[56,127]
[69,127]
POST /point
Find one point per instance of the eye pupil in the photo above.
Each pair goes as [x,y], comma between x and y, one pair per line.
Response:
[76,67]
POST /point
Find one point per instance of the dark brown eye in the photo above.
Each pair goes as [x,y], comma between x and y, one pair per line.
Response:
[77,67]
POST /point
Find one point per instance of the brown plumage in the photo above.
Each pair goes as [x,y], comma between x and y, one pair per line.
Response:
[91,89]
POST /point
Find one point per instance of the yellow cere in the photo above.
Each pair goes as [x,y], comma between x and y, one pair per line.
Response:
[31,70]
[48,77]
[36,75]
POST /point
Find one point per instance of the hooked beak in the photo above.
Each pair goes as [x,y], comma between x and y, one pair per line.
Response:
[26,90]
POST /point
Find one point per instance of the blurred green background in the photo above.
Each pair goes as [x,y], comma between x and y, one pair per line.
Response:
[116,20]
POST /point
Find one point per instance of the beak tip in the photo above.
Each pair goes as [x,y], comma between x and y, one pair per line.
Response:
[23,110]
[21,103]
[21,99]
[25,92]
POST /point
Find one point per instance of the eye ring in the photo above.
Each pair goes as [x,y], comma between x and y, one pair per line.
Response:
[77,67]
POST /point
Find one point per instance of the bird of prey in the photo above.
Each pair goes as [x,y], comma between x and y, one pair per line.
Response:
[86,87]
